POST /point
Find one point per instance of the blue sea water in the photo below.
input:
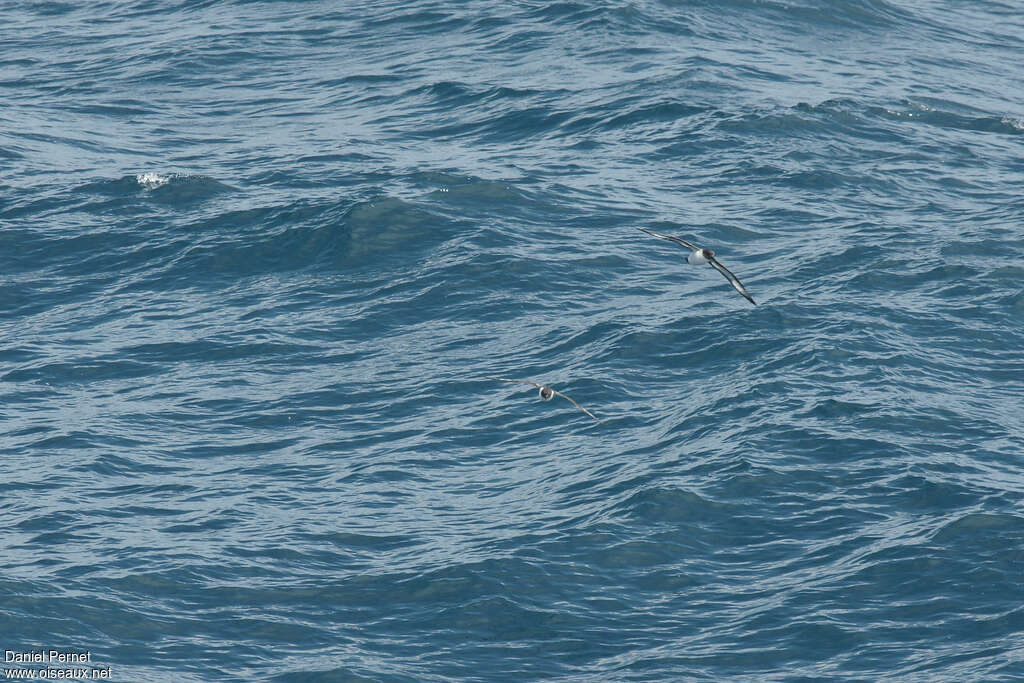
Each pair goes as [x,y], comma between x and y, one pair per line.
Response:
[258,259]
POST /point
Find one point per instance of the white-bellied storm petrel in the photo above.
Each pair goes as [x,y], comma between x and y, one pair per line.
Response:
[699,257]
[546,393]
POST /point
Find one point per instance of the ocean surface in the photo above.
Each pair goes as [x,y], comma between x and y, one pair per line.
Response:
[259,260]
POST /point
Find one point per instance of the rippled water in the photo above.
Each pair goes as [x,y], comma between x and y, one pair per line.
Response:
[258,260]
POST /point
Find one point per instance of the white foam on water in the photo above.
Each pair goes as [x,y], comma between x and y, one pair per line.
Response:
[151,181]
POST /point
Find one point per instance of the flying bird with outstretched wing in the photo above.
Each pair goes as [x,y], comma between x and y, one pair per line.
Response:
[700,257]
[546,393]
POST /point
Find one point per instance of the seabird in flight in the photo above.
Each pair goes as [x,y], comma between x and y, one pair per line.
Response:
[699,257]
[546,393]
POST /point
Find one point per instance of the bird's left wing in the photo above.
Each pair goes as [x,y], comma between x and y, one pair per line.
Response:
[733,280]
[577,405]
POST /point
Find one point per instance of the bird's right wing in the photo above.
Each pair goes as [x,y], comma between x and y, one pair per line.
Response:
[516,381]
[671,238]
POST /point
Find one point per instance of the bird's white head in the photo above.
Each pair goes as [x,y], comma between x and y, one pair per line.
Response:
[700,257]
[546,393]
